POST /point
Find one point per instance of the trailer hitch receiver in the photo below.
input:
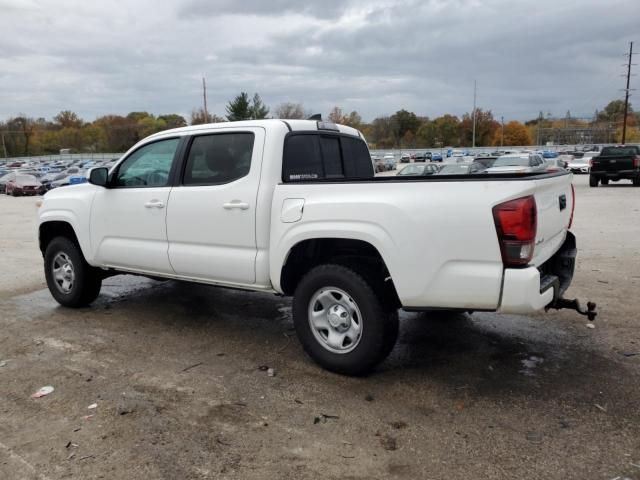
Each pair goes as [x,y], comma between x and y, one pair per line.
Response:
[560,303]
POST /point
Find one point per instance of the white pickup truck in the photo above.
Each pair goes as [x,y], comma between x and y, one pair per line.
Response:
[293,208]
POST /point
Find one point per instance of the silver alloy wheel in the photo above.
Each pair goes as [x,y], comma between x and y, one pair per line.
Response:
[335,320]
[63,274]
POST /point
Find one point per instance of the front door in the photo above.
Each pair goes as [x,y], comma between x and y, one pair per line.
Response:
[211,219]
[128,219]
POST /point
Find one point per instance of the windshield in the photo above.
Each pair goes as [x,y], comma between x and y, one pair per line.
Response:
[412,170]
[454,170]
[511,162]
[25,179]
[622,151]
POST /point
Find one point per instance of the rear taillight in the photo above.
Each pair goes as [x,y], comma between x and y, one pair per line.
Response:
[573,205]
[636,161]
[516,224]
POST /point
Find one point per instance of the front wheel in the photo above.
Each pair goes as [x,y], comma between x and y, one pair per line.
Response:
[593,181]
[71,280]
[341,320]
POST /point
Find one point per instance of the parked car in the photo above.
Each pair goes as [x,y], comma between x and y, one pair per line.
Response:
[616,163]
[24,185]
[419,157]
[68,178]
[405,158]
[378,164]
[518,163]
[389,162]
[460,169]
[5,179]
[240,213]
[485,161]
[419,169]
[579,165]
[436,157]
[555,164]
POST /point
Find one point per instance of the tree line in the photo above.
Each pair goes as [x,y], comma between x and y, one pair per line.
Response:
[24,135]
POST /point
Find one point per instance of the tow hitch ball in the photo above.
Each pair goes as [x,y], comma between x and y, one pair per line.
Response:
[589,312]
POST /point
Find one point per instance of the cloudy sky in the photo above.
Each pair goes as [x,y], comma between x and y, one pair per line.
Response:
[374,56]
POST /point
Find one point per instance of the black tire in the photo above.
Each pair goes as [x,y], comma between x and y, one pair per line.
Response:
[87,280]
[379,324]
[636,182]
[593,181]
[604,181]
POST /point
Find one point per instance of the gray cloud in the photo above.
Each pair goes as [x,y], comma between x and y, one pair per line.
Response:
[274,8]
[373,56]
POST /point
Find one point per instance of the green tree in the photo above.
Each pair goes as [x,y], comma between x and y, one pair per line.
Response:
[406,122]
[239,108]
[258,109]
[613,112]
[448,131]
[173,120]
[353,120]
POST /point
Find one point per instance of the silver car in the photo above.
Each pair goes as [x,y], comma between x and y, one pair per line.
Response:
[518,163]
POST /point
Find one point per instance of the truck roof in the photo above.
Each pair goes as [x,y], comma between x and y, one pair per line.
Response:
[292,125]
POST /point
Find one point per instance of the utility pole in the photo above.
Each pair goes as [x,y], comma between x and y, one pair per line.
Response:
[204,95]
[4,147]
[474,116]
[540,118]
[626,95]
[502,133]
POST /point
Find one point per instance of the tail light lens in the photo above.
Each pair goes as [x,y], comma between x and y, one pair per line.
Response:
[636,161]
[573,205]
[516,224]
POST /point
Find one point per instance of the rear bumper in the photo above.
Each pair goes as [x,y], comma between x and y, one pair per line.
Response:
[616,175]
[527,290]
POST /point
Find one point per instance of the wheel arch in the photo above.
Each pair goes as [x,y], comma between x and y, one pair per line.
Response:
[357,254]
[52,228]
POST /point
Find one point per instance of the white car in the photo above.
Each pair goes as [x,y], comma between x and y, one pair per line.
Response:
[579,165]
[293,208]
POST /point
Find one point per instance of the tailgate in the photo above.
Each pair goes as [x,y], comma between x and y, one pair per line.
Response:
[554,201]
[612,164]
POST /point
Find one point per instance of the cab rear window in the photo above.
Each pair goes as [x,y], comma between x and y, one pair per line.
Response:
[319,156]
[621,151]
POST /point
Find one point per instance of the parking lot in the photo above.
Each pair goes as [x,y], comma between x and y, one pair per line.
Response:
[178,373]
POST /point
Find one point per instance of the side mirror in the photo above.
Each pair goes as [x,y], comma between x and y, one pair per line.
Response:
[99,176]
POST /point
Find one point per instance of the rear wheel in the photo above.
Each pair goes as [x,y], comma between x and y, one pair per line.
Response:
[636,182]
[342,321]
[71,280]
[593,181]
[604,181]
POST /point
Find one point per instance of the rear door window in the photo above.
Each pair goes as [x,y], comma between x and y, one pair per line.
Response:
[218,158]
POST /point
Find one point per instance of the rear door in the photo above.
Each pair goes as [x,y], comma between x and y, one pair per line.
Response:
[211,219]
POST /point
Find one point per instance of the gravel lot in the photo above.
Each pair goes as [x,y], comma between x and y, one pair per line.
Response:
[174,370]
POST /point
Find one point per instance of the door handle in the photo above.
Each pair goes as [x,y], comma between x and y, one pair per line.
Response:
[154,204]
[236,204]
